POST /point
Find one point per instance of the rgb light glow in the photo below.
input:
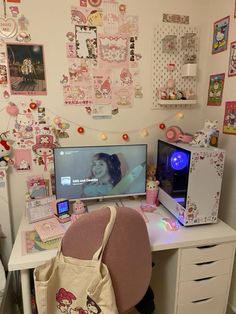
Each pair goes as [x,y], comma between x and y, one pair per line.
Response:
[178,160]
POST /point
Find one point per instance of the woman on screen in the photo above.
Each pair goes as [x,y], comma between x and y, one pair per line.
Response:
[105,174]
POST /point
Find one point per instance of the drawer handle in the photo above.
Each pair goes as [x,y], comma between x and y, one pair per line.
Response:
[202,279]
[206,246]
[205,263]
[202,300]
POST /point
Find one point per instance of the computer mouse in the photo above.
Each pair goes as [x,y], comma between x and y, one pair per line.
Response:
[170,223]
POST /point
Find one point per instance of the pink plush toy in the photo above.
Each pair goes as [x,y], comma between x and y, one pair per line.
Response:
[151,196]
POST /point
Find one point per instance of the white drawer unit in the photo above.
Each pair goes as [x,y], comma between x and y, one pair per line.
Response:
[214,305]
[204,278]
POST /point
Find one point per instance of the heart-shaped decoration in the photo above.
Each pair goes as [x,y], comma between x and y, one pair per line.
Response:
[8,27]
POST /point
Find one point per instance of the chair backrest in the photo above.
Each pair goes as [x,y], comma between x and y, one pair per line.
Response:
[127,254]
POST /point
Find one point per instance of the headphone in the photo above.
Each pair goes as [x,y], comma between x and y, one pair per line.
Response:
[175,134]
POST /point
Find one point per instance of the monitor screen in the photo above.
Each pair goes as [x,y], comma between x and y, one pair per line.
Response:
[100,171]
[63,207]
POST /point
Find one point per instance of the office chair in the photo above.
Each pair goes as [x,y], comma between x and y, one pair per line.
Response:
[127,253]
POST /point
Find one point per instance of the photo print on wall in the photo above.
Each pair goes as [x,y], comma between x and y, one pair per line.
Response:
[26,69]
[215,92]
[220,35]
[232,59]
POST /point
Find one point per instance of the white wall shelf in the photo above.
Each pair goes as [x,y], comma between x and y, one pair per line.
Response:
[177,102]
[174,104]
[161,60]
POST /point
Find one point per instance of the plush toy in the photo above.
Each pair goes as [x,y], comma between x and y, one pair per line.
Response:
[152,192]
[151,172]
[5,150]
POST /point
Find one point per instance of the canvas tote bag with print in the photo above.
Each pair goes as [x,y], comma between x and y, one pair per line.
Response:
[70,285]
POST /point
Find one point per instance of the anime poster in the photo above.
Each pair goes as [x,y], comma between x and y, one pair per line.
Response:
[220,35]
[113,50]
[229,126]
[80,71]
[102,86]
[215,91]
[26,69]
[89,16]
[86,41]
[77,95]
[232,59]
[23,159]
[110,17]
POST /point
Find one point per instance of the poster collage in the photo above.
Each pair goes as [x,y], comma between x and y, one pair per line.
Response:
[216,82]
[103,76]
[103,72]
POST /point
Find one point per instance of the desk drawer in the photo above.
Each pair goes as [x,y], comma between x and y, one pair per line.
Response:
[214,305]
[190,291]
[205,269]
[207,253]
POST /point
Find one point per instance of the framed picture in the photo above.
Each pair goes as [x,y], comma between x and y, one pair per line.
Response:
[229,126]
[215,92]
[232,59]
[26,69]
[220,35]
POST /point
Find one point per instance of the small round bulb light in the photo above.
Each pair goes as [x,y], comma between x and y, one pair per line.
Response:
[80,130]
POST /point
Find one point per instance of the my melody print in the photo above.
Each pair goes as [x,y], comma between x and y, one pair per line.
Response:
[65,300]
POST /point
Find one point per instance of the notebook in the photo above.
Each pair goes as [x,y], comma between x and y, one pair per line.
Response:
[49,229]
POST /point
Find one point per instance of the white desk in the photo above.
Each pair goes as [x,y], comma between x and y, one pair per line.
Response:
[173,251]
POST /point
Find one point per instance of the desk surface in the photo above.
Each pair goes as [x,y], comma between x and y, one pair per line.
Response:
[160,238]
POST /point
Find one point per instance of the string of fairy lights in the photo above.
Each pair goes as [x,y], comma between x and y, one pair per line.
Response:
[81,128]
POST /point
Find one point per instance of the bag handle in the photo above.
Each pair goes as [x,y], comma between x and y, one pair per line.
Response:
[98,254]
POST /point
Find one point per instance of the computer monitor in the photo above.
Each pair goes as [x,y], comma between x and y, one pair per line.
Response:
[97,172]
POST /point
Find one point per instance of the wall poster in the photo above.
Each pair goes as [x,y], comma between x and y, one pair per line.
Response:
[220,35]
[26,69]
[232,59]
[215,91]
[229,126]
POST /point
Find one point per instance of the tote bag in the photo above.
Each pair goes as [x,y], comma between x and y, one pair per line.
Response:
[70,285]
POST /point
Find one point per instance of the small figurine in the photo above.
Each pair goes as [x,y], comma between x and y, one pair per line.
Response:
[5,150]
[162,93]
[202,137]
[78,209]
[151,196]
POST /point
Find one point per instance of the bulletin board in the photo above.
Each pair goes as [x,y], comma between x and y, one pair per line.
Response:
[160,74]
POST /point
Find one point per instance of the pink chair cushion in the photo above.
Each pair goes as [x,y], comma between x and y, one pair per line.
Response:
[127,254]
